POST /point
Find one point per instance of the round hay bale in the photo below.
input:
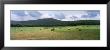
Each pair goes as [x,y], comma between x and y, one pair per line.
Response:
[79,29]
[52,29]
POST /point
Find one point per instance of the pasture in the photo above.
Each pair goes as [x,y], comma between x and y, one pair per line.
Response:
[82,32]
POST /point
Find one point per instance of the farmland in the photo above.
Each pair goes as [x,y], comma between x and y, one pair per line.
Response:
[80,32]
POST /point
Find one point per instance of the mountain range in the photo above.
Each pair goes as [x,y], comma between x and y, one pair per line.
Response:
[55,22]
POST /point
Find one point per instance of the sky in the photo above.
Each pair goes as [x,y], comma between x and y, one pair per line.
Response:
[63,15]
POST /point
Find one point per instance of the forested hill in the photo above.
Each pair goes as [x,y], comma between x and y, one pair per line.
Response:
[53,22]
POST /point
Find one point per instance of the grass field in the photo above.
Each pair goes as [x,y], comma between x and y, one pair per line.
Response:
[83,32]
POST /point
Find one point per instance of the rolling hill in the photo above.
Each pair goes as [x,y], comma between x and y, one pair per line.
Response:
[54,22]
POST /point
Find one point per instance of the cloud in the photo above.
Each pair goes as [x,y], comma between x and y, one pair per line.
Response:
[24,15]
[34,13]
[52,14]
[70,18]
[46,15]
[16,17]
[23,18]
[57,15]
[18,12]
[91,14]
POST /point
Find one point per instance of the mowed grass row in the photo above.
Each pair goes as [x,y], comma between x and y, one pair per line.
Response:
[83,32]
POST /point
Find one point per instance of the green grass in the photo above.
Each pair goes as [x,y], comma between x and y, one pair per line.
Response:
[83,32]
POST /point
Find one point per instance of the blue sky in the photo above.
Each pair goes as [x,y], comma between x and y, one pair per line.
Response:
[25,15]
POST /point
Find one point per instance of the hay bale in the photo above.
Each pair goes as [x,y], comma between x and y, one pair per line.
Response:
[40,29]
[52,29]
[69,29]
[79,29]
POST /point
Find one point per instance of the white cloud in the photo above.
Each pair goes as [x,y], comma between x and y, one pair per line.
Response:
[15,17]
[68,16]
[93,18]
[46,15]
[23,18]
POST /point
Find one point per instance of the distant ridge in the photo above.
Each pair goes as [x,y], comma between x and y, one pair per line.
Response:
[55,22]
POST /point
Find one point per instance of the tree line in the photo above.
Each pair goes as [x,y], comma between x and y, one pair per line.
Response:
[66,23]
